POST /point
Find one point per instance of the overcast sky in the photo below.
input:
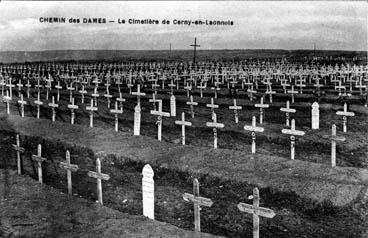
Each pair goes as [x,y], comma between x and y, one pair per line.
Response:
[271,25]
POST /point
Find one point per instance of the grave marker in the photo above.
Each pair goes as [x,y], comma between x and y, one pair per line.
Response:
[172,106]
[137,120]
[192,104]
[256,211]
[148,192]
[292,132]
[39,160]
[160,114]
[19,150]
[38,102]
[287,110]
[212,105]
[72,107]
[198,202]
[334,138]
[315,115]
[261,106]
[91,109]
[253,128]
[235,108]
[215,125]
[116,111]
[7,99]
[99,176]
[345,114]
[183,123]
[53,105]
[22,103]
[69,169]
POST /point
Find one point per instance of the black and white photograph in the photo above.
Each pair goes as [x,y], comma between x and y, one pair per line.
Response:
[184,119]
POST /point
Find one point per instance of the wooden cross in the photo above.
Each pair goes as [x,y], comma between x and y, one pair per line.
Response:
[69,169]
[212,105]
[183,123]
[58,87]
[160,114]
[287,110]
[11,86]
[20,85]
[293,133]
[256,211]
[261,106]
[99,176]
[138,94]
[345,114]
[91,109]
[155,86]
[38,102]
[116,111]
[215,125]
[82,92]
[195,50]
[292,91]
[250,93]
[340,87]
[22,103]
[95,95]
[108,96]
[201,87]
[39,160]
[28,85]
[19,150]
[153,100]
[192,104]
[333,137]
[235,108]
[198,202]
[253,128]
[71,89]
[48,86]
[53,105]
[171,85]
[72,107]
[120,99]
[270,92]
[7,99]
[188,88]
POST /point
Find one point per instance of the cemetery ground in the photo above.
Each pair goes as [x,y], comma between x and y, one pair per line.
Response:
[310,199]
[29,209]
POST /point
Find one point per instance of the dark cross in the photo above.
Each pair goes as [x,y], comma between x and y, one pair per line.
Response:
[19,150]
[195,50]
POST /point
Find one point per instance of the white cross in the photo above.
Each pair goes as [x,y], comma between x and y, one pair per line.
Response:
[261,106]
[7,99]
[345,114]
[293,133]
[192,104]
[160,114]
[116,111]
[212,105]
[334,138]
[292,91]
[138,94]
[38,102]
[91,109]
[215,125]
[53,105]
[235,108]
[253,128]
[69,169]
[72,107]
[287,110]
[22,103]
[183,123]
